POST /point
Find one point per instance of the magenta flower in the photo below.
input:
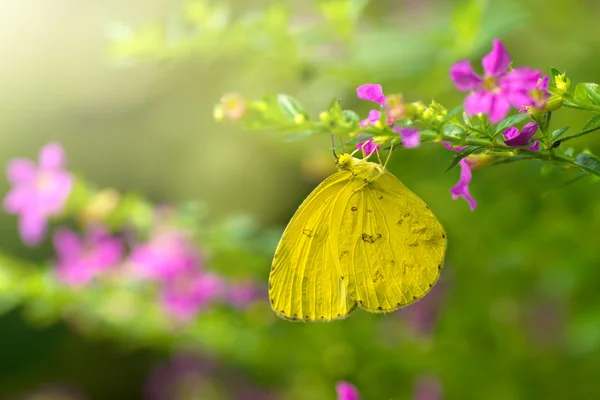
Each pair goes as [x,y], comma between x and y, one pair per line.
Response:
[371,119]
[411,137]
[499,88]
[462,187]
[168,253]
[449,146]
[371,92]
[38,192]
[346,391]
[368,147]
[242,294]
[79,260]
[514,138]
[427,388]
[185,294]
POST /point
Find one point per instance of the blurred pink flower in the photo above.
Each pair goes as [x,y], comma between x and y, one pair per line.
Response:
[427,388]
[368,146]
[372,92]
[371,119]
[242,294]
[185,294]
[38,192]
[411,137]
[422,315]
[346,391]
[81,260]
[168,253]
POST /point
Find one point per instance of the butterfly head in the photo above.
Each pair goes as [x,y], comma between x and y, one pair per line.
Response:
[345,162]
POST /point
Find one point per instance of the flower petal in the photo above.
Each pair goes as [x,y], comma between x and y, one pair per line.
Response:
[514,138]
[535,146]
[496,62]
[411,137]
[346,391]
[52,156]
[461,189]
[32,228]
[499,108]
[67,244]
[511,133]
[20,170]
[449,146]
[478,103]
[464,77]
[371,119]
[368,147]
[372,92]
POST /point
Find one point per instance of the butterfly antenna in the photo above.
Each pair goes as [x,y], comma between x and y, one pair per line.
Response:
[389,156]
[333,146]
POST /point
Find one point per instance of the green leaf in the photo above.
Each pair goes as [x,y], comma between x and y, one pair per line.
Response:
[555,72]
[592,123]
[462,154]
[588,163]
[593,91]
[453,112]
[363,136]
[510,121]
[454,131]
[335,109]
[581,94]
[557,133]
[291,108]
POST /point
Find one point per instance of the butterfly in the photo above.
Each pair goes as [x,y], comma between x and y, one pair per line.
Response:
[361,238]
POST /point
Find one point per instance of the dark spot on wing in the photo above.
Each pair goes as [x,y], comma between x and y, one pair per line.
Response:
[440,267]
[414,297]
[380,197]
[426,206]
[392,262]
[378,276]
[354,208]
[360,302]
[344,253]
[309,233]
[341,277]
[415,244]
[398,304]
[339,315]
[379,308]
[370,238]
[443,236]
[430,285]
[322,317]
[295,315]
[369,210]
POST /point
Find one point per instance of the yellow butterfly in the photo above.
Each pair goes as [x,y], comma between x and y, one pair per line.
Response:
[360,238]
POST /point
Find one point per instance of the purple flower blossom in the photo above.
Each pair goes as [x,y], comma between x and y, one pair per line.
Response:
[168,253]
[79,260]
[427,388]
[462,187]
[183,377]
[185,294]
[346,391]
[371,92]
[449,146]
[411,137]
[514,138]
[499,88]
[242,294]
[38,192]
[368,147]
[371,119]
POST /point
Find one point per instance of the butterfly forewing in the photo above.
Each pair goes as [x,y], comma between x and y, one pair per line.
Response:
[304,283]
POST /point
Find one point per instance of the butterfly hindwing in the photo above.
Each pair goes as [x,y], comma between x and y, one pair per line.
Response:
[304,283]
[391,246]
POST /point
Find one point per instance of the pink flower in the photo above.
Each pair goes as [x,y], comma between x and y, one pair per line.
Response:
[80,260]
[411,137]
[427,388]
[514,138]
[346,391]
[38,192]
[499,88]
[185,294]
[462,187]
[168,253]
[449,146]
[371,119]
[371,92]
[368,147]
[242,294]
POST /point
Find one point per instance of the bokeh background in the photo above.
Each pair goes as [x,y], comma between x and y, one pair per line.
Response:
[128,89]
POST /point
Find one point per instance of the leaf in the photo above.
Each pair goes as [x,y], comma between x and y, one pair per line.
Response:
[335,109]
[513,159]
[593,91]
[557,133]
[592,123]
[454,131]
[453,112]
[358,139]
[581,95]
[555,72]
[291,108]
[510,121]
[588,163]
[462,154]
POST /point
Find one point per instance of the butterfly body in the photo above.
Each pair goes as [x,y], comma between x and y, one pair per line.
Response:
[361,238]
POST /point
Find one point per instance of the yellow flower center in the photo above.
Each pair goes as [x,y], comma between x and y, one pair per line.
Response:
[489,84]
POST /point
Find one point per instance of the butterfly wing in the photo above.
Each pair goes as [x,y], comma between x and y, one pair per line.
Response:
[391,246]
[304,283]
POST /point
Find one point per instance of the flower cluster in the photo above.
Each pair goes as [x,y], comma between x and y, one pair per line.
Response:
[169,259]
